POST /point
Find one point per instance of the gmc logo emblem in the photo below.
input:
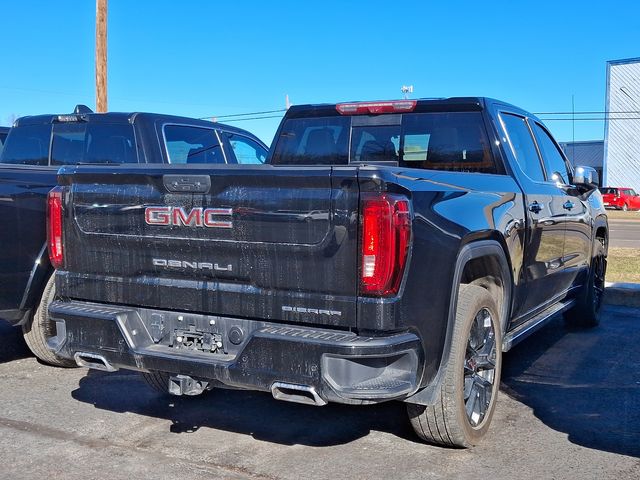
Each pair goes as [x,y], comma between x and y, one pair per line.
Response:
[196,217]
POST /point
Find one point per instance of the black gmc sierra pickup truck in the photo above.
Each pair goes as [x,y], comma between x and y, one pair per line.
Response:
[38,146]
[386,251]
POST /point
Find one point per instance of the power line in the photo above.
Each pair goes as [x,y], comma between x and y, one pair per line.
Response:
[604,112]
[244,114]
[586,112]
[597,119]
[244,119]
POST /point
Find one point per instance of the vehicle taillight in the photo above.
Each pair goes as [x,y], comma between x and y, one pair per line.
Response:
[54,227]
[386,233]
[374,108]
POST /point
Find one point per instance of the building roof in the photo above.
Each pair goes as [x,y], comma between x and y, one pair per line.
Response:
[586,153]
[624,61]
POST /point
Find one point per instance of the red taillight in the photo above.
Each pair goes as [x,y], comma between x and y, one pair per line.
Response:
[374,108]
[54,227]
[386,233]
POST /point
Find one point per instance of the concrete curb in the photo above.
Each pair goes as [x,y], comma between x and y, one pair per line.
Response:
[625,294]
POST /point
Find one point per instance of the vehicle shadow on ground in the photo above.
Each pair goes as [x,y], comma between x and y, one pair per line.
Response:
[12,346]
[250,413]
[583,382]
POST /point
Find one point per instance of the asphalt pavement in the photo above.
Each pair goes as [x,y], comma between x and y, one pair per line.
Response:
[624,233]
[569,408]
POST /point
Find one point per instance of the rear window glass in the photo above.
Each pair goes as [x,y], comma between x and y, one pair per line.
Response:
[313,141]
[609,191]
[27,145]
[78,143]
[454,141]
[187,145]
[446,141]
[375,143]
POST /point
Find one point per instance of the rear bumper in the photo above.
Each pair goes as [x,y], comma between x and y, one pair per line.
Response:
[336,365]
[617,204]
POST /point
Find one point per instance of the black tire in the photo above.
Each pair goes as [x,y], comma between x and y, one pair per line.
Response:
[586,311]
[625,207]
[449,422]
[39,328]
[159,381]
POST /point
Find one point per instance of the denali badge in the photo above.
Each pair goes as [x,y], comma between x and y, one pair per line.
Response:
[315,311]
[162,262]
[197,217]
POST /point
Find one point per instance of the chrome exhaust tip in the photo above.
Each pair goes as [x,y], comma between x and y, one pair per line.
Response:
[290,392]
[94,361]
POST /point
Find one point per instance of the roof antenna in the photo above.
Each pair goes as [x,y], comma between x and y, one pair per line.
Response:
[406,90]
[82,109]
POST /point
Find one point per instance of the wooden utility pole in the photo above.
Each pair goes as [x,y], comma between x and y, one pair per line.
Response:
[101,55]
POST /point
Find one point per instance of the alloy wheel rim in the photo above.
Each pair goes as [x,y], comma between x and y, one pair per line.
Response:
[480,368]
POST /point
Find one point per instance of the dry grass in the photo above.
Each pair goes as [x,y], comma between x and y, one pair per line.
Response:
[623,265]
[620,215]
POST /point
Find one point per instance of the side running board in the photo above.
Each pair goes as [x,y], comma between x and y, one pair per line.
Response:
[527,328]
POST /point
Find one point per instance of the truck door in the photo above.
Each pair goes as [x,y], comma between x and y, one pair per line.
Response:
[25,180]
[577,218]
[544,242]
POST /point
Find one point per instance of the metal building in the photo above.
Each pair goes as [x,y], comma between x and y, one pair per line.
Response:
[588,153]
[622,130]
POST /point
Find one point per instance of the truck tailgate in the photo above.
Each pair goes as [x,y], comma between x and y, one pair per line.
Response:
[276,243]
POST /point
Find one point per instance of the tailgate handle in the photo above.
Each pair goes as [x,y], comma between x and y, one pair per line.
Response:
[187,183]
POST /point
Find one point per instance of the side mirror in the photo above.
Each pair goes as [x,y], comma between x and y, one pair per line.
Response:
[585,177]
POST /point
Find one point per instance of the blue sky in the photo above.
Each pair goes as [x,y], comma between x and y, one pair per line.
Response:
[205,58]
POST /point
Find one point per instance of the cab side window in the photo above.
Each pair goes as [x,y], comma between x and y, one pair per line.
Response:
[553,159]
[522,146]
[188,145]
[246,151]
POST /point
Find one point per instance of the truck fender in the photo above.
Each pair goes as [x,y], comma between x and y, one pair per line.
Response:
[600,222]
[40,274]
[477,249]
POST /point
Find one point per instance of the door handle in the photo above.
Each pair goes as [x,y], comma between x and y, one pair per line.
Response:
[187,183]
[568,205]
[536,207]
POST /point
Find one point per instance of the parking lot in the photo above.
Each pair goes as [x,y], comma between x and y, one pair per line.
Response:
[625,233]
[569,408]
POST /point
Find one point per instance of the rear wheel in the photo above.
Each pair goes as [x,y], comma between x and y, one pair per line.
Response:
[586,312]
[39,328]
[469,390]
[625,207]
